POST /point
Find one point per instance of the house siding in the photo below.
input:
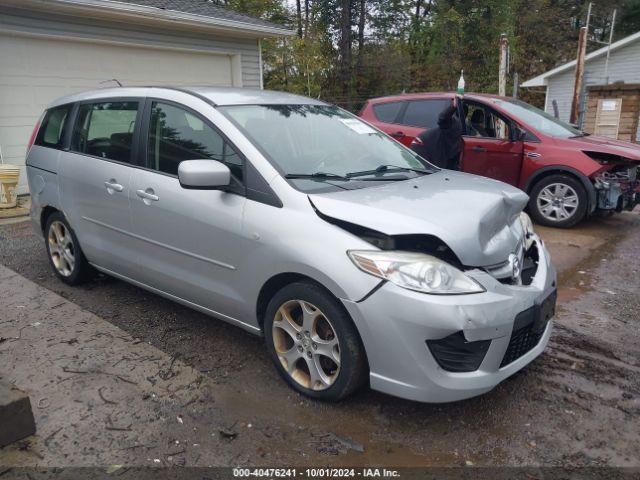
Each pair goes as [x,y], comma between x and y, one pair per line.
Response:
[19,114]
[624,66]
[27,21]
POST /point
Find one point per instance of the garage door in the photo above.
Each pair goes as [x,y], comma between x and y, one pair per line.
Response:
[34,71]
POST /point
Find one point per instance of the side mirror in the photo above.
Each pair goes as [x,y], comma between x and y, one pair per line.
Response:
[203,174]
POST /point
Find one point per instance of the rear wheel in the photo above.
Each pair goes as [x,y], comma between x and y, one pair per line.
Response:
[314,343]
[64,252]
[558,201]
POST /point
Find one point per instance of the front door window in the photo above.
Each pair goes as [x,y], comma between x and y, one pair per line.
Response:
[483,122]
[176,135]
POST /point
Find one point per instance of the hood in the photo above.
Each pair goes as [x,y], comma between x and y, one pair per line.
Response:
[607,145]
[475,216]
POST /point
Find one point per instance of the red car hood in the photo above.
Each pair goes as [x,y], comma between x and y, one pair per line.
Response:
[607,145]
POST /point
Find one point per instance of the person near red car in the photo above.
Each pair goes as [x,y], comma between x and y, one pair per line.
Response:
[567,173]
[442,144]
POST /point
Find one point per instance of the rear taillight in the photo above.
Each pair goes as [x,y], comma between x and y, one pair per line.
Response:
[32,139]
[417,141]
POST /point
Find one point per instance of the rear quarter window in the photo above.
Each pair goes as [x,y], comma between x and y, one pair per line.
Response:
[387,112]
[52,130]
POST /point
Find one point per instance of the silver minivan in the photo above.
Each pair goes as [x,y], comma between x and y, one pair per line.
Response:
[358,261]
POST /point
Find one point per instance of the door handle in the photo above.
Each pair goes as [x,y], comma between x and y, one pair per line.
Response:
[397,134]
[113,186]
[479,149]
[147,194]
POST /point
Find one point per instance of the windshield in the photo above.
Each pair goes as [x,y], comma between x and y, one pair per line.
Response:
[311,144]
[538,119]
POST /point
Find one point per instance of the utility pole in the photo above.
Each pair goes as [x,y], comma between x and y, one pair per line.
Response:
[515,85]
[502,72]
[577,86]
[606,63]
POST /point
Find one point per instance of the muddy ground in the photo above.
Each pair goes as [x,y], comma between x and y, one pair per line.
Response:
[576,405]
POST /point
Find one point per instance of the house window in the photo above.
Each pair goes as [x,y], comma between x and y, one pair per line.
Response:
[608,117]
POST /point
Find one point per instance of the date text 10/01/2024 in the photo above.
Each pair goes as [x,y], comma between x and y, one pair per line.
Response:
[315,473]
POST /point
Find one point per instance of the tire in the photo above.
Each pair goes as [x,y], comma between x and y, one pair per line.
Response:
[335,380]
[558,201]
[64,252]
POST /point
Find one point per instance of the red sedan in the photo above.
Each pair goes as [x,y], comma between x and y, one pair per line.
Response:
[568,174]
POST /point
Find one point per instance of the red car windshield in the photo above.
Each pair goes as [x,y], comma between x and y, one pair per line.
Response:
[538,119]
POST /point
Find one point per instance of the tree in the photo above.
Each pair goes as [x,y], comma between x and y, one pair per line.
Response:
[306,16]
[299,17]
[629,18]
[362,19]
[345,50]
[418,45]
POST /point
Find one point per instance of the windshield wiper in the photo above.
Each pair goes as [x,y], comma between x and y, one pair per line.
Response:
[387,168]
[581,134]
[317,175]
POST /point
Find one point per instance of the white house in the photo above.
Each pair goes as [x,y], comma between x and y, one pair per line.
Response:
[51,48]
[624,66]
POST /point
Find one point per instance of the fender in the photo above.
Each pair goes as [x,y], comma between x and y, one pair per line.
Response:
[586,182]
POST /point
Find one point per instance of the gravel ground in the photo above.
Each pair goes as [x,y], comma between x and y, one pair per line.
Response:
[576,405]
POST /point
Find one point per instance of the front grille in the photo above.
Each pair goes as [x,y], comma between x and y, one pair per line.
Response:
[528,328]
[529,260]
[521,342]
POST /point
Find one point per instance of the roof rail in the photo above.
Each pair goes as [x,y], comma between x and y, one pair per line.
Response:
[189,92]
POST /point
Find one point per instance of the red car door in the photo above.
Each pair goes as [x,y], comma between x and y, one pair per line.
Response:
[489,148]
[385,116]
[396,128]
[405,134]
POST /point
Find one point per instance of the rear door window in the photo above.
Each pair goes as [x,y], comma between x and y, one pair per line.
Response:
[106,129]
[51,133]
[424,113]
[387,112]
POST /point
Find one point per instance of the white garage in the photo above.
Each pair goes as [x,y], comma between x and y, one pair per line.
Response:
[54,48]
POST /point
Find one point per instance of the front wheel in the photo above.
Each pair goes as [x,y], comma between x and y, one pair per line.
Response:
[313,342]
[558,201]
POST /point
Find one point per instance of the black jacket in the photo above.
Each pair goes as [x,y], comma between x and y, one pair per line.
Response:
[441,145]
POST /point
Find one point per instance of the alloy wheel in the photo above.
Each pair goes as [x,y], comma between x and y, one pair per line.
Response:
[557,202]
[61,248]
[306,344]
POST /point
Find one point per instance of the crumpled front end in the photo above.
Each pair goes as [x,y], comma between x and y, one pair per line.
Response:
[442,348]
[618,189]
[476,217]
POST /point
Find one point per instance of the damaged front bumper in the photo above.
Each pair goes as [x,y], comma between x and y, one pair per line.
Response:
[617,190]
[421,346]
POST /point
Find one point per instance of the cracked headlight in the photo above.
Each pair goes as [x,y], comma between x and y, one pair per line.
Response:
[527,228]
[415,271]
